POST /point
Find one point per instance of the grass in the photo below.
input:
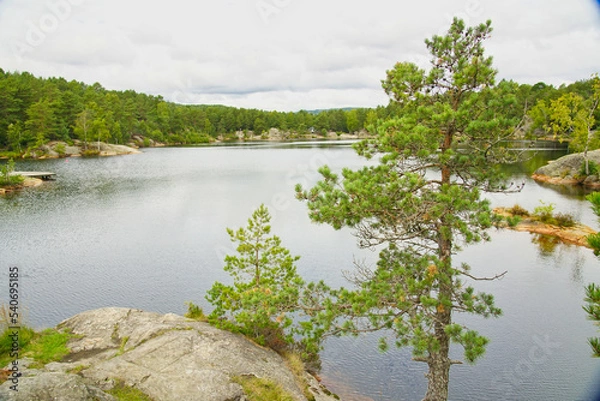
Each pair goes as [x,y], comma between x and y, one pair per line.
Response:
[122,346]
[195,312]
[26,335]
[297,367]
[261,389]
[78,369]
[48,346]
[123,392]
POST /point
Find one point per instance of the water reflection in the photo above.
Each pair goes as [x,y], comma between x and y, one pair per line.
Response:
[546,244]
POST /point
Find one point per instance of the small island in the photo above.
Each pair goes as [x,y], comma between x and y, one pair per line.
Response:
[544,222]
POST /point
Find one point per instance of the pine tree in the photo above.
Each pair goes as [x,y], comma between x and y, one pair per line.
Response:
[592,291]
[266,286]
[420,204]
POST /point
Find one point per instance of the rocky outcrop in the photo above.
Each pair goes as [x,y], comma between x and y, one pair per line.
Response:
[168,357]
[567,171]
[57,149]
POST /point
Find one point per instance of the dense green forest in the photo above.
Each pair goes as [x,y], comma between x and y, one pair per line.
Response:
[34,111]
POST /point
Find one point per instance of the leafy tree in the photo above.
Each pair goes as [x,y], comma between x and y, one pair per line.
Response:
[266,286]
[16,136]
[259,126]
[83,124]
[7,178]
[592,291]
[420,204]
[571,117]
[41,121]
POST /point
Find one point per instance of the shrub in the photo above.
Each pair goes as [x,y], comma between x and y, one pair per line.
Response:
[90,152]
[60,148]
[545,213]
[517,210]
[564,220]
[513,220]
[6,177]
[592,168]
[195,312]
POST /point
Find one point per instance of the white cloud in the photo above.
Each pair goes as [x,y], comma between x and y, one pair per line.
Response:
[282,54]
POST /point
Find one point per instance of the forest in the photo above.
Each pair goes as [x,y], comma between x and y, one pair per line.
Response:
[35,111]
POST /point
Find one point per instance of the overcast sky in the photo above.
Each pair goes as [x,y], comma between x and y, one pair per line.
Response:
[284,54]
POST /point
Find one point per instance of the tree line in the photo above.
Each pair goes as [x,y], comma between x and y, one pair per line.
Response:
[34,111]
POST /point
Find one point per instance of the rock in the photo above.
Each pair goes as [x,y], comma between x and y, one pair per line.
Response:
[168,357]
[53,386]
[566,170]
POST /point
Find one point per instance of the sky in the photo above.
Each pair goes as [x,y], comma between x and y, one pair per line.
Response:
[284,55]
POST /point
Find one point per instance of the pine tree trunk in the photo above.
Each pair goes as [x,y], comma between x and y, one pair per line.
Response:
[438,375]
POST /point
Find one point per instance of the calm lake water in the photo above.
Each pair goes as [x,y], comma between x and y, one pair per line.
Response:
[148,231]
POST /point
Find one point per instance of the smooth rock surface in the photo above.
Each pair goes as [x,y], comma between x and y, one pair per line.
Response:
[168,357]
[566,170]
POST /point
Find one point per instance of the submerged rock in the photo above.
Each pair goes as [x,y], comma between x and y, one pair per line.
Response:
[168,357]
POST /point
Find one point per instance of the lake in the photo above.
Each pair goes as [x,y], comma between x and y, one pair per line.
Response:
[148,231]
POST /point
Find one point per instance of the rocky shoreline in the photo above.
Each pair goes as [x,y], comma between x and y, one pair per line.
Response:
[568,170]
[167,357]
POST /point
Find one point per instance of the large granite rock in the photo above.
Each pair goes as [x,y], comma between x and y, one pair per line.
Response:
[168,357]
[567,170]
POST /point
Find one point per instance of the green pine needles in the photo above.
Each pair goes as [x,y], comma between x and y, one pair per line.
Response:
[421,203]
[266,287]
[592,291]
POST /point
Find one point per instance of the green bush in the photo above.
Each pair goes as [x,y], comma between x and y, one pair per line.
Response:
[6,178]
[592,168]
[60,148]
[545,213]
[90,152]
[513,220]
[195,312]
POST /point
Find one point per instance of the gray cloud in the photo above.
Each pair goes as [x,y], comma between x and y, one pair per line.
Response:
[296,54]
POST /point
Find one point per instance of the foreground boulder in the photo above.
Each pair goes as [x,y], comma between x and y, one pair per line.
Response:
[567,170]
[168,357]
